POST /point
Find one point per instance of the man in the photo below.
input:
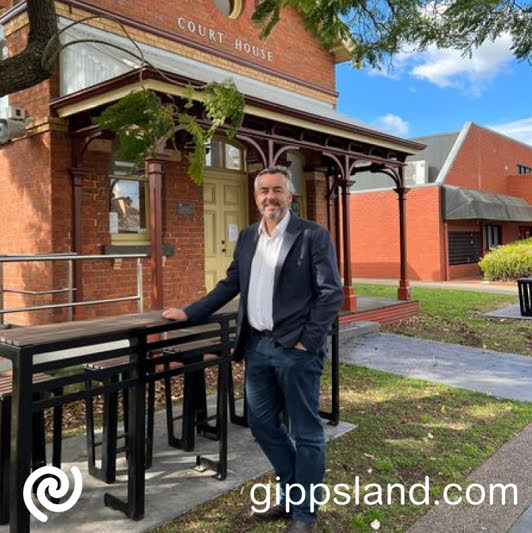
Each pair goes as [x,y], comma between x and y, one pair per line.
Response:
[290,293]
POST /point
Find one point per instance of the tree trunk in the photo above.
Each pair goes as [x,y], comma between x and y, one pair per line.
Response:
[25,69]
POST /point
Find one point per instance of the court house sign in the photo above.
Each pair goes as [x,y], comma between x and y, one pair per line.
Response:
[214,36]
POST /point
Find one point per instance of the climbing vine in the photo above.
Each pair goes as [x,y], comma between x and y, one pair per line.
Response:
[143,123]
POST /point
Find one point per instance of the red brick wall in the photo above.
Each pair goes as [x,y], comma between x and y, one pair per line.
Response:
[26,211]
[510,232]
[521,185]
[296,51]
[375,234]
[39,211]
[183,273]
[485,161]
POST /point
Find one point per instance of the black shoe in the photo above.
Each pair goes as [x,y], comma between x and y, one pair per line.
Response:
[273,513]
[296,526]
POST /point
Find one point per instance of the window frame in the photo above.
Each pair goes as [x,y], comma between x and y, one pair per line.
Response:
[224,168]
[525,231]
[131,239]
[523,169]
[4,54]
[488,234]
[237,7]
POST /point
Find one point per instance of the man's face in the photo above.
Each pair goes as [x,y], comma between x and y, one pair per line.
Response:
[273,197]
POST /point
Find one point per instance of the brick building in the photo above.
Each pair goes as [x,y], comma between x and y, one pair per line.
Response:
[468,191]
[65,190]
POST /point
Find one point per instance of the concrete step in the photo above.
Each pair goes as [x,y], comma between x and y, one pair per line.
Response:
[354,330]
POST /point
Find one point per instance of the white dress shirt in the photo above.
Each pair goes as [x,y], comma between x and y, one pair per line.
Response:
[260,294]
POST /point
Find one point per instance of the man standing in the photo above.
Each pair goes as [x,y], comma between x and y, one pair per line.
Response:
[290,293]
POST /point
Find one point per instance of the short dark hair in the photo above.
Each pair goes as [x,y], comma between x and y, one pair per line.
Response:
[283,171]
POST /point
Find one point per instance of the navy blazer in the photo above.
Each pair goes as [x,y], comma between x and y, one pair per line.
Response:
[307,293]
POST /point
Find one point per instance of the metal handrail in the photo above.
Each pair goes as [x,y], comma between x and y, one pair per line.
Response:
[64,257]
[69,290]
[36,293]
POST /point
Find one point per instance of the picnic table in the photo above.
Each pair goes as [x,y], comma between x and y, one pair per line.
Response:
[142,333]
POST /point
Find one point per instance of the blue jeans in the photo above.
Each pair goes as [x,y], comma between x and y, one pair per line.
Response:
[278,378]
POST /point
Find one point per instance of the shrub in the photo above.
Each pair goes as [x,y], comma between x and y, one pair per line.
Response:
[508,262]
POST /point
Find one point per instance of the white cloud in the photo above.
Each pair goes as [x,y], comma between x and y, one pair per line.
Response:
[448,68]
[518,129]
[393,124]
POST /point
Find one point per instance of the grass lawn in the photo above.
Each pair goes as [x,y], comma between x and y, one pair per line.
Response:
[407,429]
[456,316]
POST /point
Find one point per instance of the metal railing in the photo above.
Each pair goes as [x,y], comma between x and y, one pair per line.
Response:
[69,289]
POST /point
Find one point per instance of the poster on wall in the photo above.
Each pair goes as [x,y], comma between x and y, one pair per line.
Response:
[113,222]
[232,233]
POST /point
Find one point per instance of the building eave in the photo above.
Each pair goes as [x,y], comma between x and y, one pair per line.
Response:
[116,88]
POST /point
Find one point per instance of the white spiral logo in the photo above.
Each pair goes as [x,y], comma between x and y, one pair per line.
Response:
[56,489]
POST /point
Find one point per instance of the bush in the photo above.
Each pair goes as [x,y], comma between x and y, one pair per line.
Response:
[508,262]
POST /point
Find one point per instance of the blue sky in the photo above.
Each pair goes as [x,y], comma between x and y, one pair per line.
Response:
[439,90]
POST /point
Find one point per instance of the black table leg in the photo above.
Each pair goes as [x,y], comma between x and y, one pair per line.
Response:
[335,375]
[21,430]
[333,416]
[133,507]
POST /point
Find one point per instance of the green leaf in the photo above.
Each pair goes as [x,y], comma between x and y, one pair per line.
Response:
[141,121]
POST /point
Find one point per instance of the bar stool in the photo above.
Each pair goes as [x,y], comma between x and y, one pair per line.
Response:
[195,416]
[118,368]
[187,360]
[38,437]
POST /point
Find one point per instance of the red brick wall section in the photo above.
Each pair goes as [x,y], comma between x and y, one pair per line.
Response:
[62,213]
[486,160]
[25,185]
[184,273]
[521,185]
[464,271]
[295,51]
[510,231]
[375,234]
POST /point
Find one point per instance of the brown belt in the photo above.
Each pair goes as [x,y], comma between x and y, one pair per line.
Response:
[265,332]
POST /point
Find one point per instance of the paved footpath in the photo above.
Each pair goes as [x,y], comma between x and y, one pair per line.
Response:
[503,375]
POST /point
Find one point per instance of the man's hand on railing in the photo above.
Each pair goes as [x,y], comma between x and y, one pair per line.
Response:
[175,314]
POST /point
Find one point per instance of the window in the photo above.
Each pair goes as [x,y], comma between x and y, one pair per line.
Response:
[4,101]
[492,236]
[296,164]
[229,8]
[525,232]
[523,169]
[128,204]
[222,154]
[464,247]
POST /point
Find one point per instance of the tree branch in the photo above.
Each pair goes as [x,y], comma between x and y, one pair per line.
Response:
[25,69]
